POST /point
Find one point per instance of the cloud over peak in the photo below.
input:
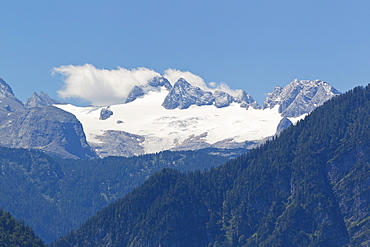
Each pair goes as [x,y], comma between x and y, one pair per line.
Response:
[101,86]
[107,87]
[173,75]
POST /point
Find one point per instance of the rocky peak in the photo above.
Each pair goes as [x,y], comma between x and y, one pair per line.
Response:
[5,90]
[50,129]
[244,99]
[134,94]
[154,84]
[40,100]
[299,97]
[8,101]
[222,99]
[272,98]
[160,81]
[183,95]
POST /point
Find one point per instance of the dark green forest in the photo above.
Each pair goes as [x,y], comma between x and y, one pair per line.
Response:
[310,186]
[54,196]
[13,233]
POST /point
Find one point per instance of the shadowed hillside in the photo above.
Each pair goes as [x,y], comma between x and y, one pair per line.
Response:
[307,187]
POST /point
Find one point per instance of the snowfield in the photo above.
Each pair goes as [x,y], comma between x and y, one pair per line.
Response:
[167,129]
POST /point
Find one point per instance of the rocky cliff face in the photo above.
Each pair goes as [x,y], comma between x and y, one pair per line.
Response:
[153,85]
[244,99]
[299,97]
[119,143]
[284,123]
[40,100]
[183,95]
[209,118]
[38,125]
[310,186]
[8,102]
[134,94]
[50,129]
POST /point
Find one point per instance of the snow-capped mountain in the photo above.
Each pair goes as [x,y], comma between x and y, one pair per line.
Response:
[153,85]
[183,95]
[156,116]
[299,97]
[161,116]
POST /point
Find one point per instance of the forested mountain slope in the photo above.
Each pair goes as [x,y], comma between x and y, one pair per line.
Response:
[15,233]
[54,196]
[308,187]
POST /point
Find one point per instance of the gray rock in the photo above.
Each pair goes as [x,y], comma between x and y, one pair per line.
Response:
[183,95]
[283,124]
[299,97]
[5,90]
[39,126]
[134,94]
[105,113]
[196,142]
[119,143]
[222,99]
[272,98]
[193,142]
[50,129]
[245,100]
[160,81]
[231,144]
[8,102]
[153,85]
[40,100]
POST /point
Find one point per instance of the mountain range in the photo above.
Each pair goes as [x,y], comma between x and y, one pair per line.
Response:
[161,116]
[39,125]
[305,185]
[308,186]
[54,195]
[155,117]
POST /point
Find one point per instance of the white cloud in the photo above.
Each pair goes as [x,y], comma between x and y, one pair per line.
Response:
[101,86]
[107,87]
[224,87]
[173,75]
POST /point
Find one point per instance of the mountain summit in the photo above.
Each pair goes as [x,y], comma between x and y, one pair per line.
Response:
[8,101]
[40,100]
[161,116]
[310,186]
[299,97]
[183,95]
[156,116]
[39,125]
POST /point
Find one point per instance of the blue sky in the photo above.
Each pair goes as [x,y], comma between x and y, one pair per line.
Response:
[250,45]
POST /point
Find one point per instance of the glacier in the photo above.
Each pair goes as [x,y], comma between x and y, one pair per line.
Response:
[144,126]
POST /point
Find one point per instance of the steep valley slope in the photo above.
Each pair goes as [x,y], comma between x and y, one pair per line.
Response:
[307,187]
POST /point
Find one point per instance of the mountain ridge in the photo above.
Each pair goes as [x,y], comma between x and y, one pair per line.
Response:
[186,117]
[307,187]
[38,124]
[158,116]
[54,195]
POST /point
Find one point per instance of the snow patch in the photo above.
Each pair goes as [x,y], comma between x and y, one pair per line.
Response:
[165,129]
